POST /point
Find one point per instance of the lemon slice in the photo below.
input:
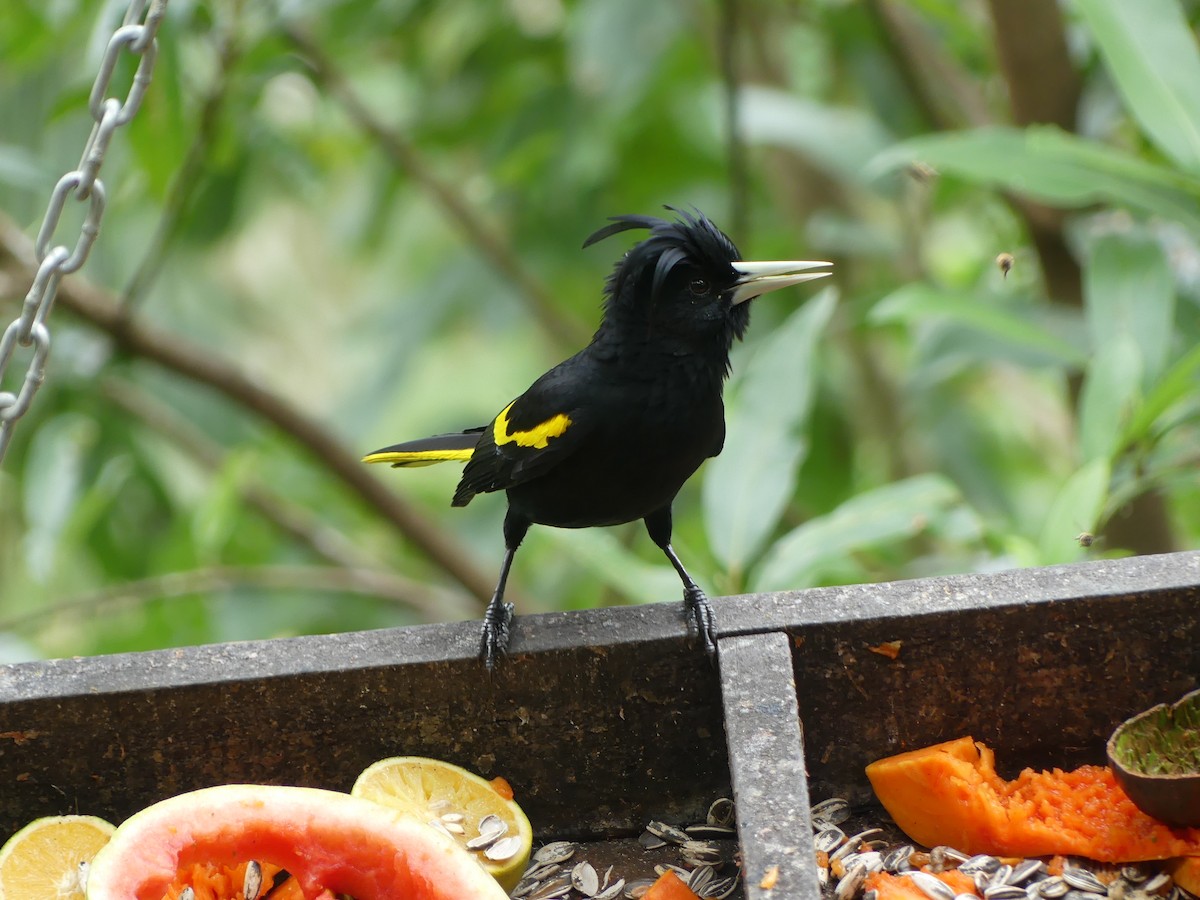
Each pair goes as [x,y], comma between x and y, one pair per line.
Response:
[48,858]
[451,799]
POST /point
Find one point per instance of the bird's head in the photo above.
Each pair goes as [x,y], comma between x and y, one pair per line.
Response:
[687,281]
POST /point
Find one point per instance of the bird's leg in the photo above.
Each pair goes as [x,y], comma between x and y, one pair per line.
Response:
[695,603]
[497,619]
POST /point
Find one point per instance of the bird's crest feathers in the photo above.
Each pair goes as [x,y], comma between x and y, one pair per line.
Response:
[692,236]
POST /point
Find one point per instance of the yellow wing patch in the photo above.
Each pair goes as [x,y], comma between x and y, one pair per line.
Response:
[537,437]
[411,458]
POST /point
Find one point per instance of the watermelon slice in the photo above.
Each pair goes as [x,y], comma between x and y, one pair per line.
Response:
[325,839]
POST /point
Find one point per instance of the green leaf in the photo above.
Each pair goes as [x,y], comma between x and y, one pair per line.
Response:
[747,487]
[841,140]
[1076,508]
[894,512]
[1178,382]
[918,302]
[1129,291]
[1108,397]
[52,485]
[1149,48]
[1047,164]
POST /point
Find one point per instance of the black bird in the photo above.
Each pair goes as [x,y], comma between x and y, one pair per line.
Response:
[611,434]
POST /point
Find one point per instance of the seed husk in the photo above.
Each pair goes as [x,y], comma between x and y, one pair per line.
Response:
[252,882]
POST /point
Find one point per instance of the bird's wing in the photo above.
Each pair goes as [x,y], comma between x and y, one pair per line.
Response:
[536,431]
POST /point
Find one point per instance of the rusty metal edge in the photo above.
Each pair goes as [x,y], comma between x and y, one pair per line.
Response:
[576,631]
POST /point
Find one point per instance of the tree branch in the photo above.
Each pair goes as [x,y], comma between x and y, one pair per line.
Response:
[199,364]
[290,518]
[405,157]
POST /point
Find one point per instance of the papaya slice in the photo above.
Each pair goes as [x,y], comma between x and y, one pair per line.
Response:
[950,794]
[670,886]
[328,841]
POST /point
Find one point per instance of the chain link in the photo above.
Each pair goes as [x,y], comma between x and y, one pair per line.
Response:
[136,36]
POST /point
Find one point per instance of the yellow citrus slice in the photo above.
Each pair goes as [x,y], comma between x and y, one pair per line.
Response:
[451,799]
[48,858]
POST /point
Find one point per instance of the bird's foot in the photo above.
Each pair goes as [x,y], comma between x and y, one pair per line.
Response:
[699,613]
[493,642]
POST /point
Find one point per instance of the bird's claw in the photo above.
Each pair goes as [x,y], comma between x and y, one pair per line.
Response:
[699,613]
[493,641]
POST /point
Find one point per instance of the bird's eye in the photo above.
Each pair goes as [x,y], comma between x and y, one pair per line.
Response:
[699,287]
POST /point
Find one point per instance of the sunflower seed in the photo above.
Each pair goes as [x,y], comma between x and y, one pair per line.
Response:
[829,839]
[1157,883]
[585,880]
[524,887]
[555,852]
[980,862]
[853,843]
[1052,887]
[833,811]
[850,883]
[503,849]
[667,832]
[556,887]
[454,828]
[1001,875]
[942,858]
[1025,870]
[491,829]
[700,879]
[452,817]
[188,893]
[700,853]
[648,840]
[897,860]
[965,897]
[932,887]
[636,890]
[252,881]
[1004,892]
[612,891]
[720,812]
[720,888]
[1134,874]
[872,859]
[541,871]
[1083,880]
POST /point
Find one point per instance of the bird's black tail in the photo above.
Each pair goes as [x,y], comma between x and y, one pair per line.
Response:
[425,452]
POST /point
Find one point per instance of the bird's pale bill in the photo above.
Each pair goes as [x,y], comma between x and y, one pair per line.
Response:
[758,278]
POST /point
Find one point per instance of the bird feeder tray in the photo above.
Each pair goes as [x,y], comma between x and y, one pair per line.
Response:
[607,718]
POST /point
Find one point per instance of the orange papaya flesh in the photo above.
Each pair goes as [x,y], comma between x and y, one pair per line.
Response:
[950,794]
[1186,873]
[670,886]
[901,887]
[214,881]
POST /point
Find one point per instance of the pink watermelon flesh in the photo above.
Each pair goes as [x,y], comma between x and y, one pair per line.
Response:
[327,840]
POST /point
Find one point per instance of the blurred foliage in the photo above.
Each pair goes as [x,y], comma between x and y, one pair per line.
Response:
[926,414]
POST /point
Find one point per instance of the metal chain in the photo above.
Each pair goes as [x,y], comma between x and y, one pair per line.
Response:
[137,36]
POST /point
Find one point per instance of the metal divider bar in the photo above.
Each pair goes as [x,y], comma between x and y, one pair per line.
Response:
[766,762]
